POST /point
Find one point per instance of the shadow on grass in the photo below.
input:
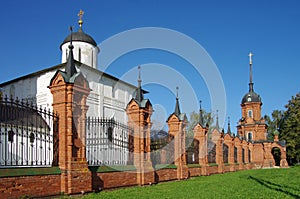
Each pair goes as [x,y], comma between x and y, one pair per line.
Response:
[276,187]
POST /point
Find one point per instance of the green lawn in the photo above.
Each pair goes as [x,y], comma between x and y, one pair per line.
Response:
[263,183]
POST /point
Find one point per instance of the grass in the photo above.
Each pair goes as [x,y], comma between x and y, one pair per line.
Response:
[263,183]
[13,172]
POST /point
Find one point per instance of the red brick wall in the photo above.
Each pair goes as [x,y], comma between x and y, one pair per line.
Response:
[165,175]
[227,168]
[194,172]
[113,180]
[39,185]
[212,170]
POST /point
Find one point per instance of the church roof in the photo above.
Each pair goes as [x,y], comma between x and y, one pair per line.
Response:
[79,36]
[251,96]
[62,66]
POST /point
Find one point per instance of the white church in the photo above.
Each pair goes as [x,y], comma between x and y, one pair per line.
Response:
[109,95]
[25,146]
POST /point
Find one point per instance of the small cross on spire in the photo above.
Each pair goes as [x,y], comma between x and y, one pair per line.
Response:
[250,57]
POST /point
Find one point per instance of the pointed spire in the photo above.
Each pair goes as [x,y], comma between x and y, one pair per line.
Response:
[228,128]
[217,121]
[70,67]
[139,93]
[177,109]
[201,121]
[250,63]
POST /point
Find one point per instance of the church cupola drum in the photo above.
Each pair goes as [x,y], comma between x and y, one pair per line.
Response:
[85,47]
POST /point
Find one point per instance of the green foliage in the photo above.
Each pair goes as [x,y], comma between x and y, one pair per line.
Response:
[194,120]
[262,183]
[288,125]
[274,123]
[290,129]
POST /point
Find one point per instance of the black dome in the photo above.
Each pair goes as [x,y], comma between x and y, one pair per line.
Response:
[251,97]
[79,36]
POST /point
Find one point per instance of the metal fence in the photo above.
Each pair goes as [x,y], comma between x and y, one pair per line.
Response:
[108,142]
[27,135]
[162,149]
[192,152]
[211,148]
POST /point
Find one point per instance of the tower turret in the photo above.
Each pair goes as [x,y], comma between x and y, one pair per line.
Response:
[251,125]
[85,47]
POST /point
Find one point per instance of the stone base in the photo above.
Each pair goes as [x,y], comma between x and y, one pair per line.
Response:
[284,163]
[204,170]
[232,167]
[268,163]
[220,168]
[77,179]
[145,174]
[182,172]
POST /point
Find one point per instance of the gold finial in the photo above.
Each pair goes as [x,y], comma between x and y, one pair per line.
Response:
[80,14]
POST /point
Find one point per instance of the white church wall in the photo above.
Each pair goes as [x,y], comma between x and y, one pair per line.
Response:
[108,97]
[83,52]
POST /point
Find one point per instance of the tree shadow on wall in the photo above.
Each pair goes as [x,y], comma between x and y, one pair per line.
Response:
[276,187]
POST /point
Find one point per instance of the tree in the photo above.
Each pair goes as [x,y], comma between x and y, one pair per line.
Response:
[290,129]
[193,120]
[274,123]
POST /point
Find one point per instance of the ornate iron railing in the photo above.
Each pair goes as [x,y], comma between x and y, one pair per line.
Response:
[211,149]
[108,142]
[192,153]
[27,134]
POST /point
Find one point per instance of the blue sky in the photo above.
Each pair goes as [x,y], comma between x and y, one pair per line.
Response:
[32,31]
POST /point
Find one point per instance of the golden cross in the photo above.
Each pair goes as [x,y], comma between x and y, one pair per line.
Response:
[250,57]
[80,14]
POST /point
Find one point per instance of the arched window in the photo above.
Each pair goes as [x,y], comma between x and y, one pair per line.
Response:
[31,137]
[79,54]
[249,155]
[110,133]
[250,113]
[243,155]
[11,136]
[235,155]
[250,136]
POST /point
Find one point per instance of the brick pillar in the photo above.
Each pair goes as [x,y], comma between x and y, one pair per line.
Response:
[245,146]
[177,130]
[229,141]
[283,162]
[219,153]
[200,134]
[69,102]
[238,145]
[268,156]
[139,119]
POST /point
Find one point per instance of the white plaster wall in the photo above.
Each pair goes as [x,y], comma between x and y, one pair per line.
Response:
[101,101]
[89,53]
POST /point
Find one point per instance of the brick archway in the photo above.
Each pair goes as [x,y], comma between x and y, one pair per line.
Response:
[282,150]
[276,152]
